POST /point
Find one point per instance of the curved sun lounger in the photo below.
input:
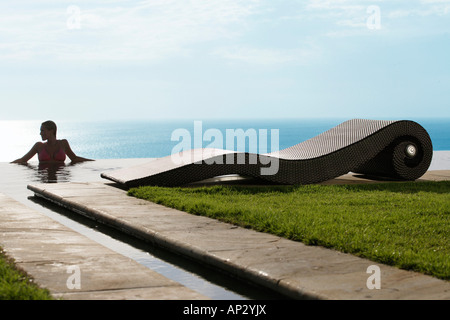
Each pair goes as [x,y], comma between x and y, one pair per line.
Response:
[399,150]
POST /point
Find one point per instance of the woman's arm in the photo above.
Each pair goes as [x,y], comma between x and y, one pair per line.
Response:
[73,157]
[29,155]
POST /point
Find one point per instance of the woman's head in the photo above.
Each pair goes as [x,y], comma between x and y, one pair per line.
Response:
[48,128]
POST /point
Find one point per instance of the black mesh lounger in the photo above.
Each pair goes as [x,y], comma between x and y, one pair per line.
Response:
[392,149]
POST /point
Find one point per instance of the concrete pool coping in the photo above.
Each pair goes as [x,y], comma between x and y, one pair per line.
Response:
[290,268]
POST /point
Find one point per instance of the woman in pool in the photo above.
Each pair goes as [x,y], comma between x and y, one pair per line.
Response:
[52,151]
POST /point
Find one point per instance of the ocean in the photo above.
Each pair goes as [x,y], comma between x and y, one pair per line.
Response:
[159,138]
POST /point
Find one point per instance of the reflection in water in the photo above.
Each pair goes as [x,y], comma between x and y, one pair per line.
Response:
[53,172]
[48,172]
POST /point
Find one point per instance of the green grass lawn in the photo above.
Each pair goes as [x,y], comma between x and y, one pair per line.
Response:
[16,285]
[405,224]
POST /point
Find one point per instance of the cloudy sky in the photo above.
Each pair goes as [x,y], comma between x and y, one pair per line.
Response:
[124,59]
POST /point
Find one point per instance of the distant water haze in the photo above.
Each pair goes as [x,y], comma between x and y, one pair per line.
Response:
[153,139]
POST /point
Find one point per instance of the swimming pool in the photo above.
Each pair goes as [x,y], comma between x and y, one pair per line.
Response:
[217,286]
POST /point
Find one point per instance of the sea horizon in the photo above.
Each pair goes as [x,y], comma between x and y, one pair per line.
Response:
[144,138]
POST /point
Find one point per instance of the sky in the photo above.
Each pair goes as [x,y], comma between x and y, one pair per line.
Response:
[202,59]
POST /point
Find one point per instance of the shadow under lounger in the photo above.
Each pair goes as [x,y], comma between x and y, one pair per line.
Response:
[389,149]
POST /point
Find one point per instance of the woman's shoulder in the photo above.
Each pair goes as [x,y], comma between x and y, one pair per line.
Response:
[37,147]
[63,142]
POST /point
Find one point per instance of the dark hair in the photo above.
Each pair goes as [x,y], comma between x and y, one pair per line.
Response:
[50,125]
